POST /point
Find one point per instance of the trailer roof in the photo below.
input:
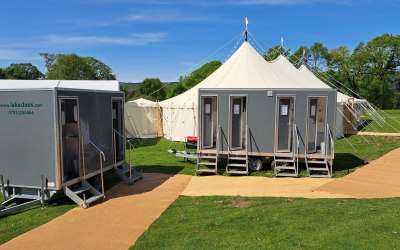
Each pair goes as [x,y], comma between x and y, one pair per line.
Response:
[112,85]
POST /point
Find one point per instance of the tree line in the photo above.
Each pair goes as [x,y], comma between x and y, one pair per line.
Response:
[371,69]
[60,67]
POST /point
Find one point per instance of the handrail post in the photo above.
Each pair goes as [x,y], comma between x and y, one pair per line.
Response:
[42,191]
[3,187]
[83,158]
[101,172]
[114,147]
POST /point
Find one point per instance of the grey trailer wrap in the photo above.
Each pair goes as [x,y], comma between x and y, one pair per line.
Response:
[28,139]
[261,108]
[60,140]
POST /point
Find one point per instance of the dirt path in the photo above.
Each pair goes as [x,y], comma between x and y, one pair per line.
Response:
[255,186]
[114,224]
[379,179]
[378,134]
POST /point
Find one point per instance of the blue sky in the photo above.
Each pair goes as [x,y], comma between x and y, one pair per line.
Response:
[168,38]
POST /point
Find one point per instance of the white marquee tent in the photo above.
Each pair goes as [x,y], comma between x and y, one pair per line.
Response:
[244,69]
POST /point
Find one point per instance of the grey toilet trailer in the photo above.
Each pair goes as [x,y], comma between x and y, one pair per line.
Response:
[59,137]
[249,126]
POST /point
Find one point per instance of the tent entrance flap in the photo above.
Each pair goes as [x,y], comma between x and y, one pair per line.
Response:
[238,120]
[284,124]
[209,121]
[316,124]
[69,137]
[117,124]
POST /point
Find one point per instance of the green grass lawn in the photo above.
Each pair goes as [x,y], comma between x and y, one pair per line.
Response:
[392,117]
[152,156]
[275,223]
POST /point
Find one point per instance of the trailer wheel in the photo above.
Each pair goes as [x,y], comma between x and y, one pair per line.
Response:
[255,165]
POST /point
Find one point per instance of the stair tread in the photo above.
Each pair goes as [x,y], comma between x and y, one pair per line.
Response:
[82,189]
[207,163]
[236,172]
[284,160]
[238,158]
[207,157]
[318,169]
[94,198]
[286,174]
[236,165]
[320,176]
[285,167]
[317,162]
[206,170]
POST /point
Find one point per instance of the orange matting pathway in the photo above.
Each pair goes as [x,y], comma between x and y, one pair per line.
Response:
[379,179]
[114,224]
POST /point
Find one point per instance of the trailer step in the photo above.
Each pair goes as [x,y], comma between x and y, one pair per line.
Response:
[318,169]
[80,200]
[208,157]
[285,168]
[284,160]
[82,189]
[207,163]
[320,175]
[317,162]
[204,170]
[236,165]
[286,175]
[93,199]
[134,176]
[236,172]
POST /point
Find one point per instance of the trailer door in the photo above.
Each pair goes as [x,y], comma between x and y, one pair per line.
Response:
[117,125]
[284,116]
[312,125]
[69,138]
[208,122]
[236,122]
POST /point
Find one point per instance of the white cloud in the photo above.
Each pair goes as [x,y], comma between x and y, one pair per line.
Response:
[133,39]
[163,16]
[13,54]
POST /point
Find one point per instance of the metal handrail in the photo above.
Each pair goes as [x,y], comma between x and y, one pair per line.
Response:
[115,148]
[247,148]
[102,156]
[297,147]
[332,145]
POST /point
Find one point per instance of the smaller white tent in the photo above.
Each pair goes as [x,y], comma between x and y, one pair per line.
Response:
[143,118]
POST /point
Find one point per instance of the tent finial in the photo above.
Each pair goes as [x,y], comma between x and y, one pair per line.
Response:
[247,27]
[281,45]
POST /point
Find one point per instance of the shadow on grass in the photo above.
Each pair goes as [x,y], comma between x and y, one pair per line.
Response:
[145,142]
[346,161]
[160,169]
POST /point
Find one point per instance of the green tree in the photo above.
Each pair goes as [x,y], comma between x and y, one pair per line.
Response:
[152,89]
[22,71]
[2,76]
[75,67]
[199,74]
[194,78]
[319,56]
[274,52]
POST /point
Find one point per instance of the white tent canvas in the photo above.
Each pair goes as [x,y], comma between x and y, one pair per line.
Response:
[143,118]
[244,69]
